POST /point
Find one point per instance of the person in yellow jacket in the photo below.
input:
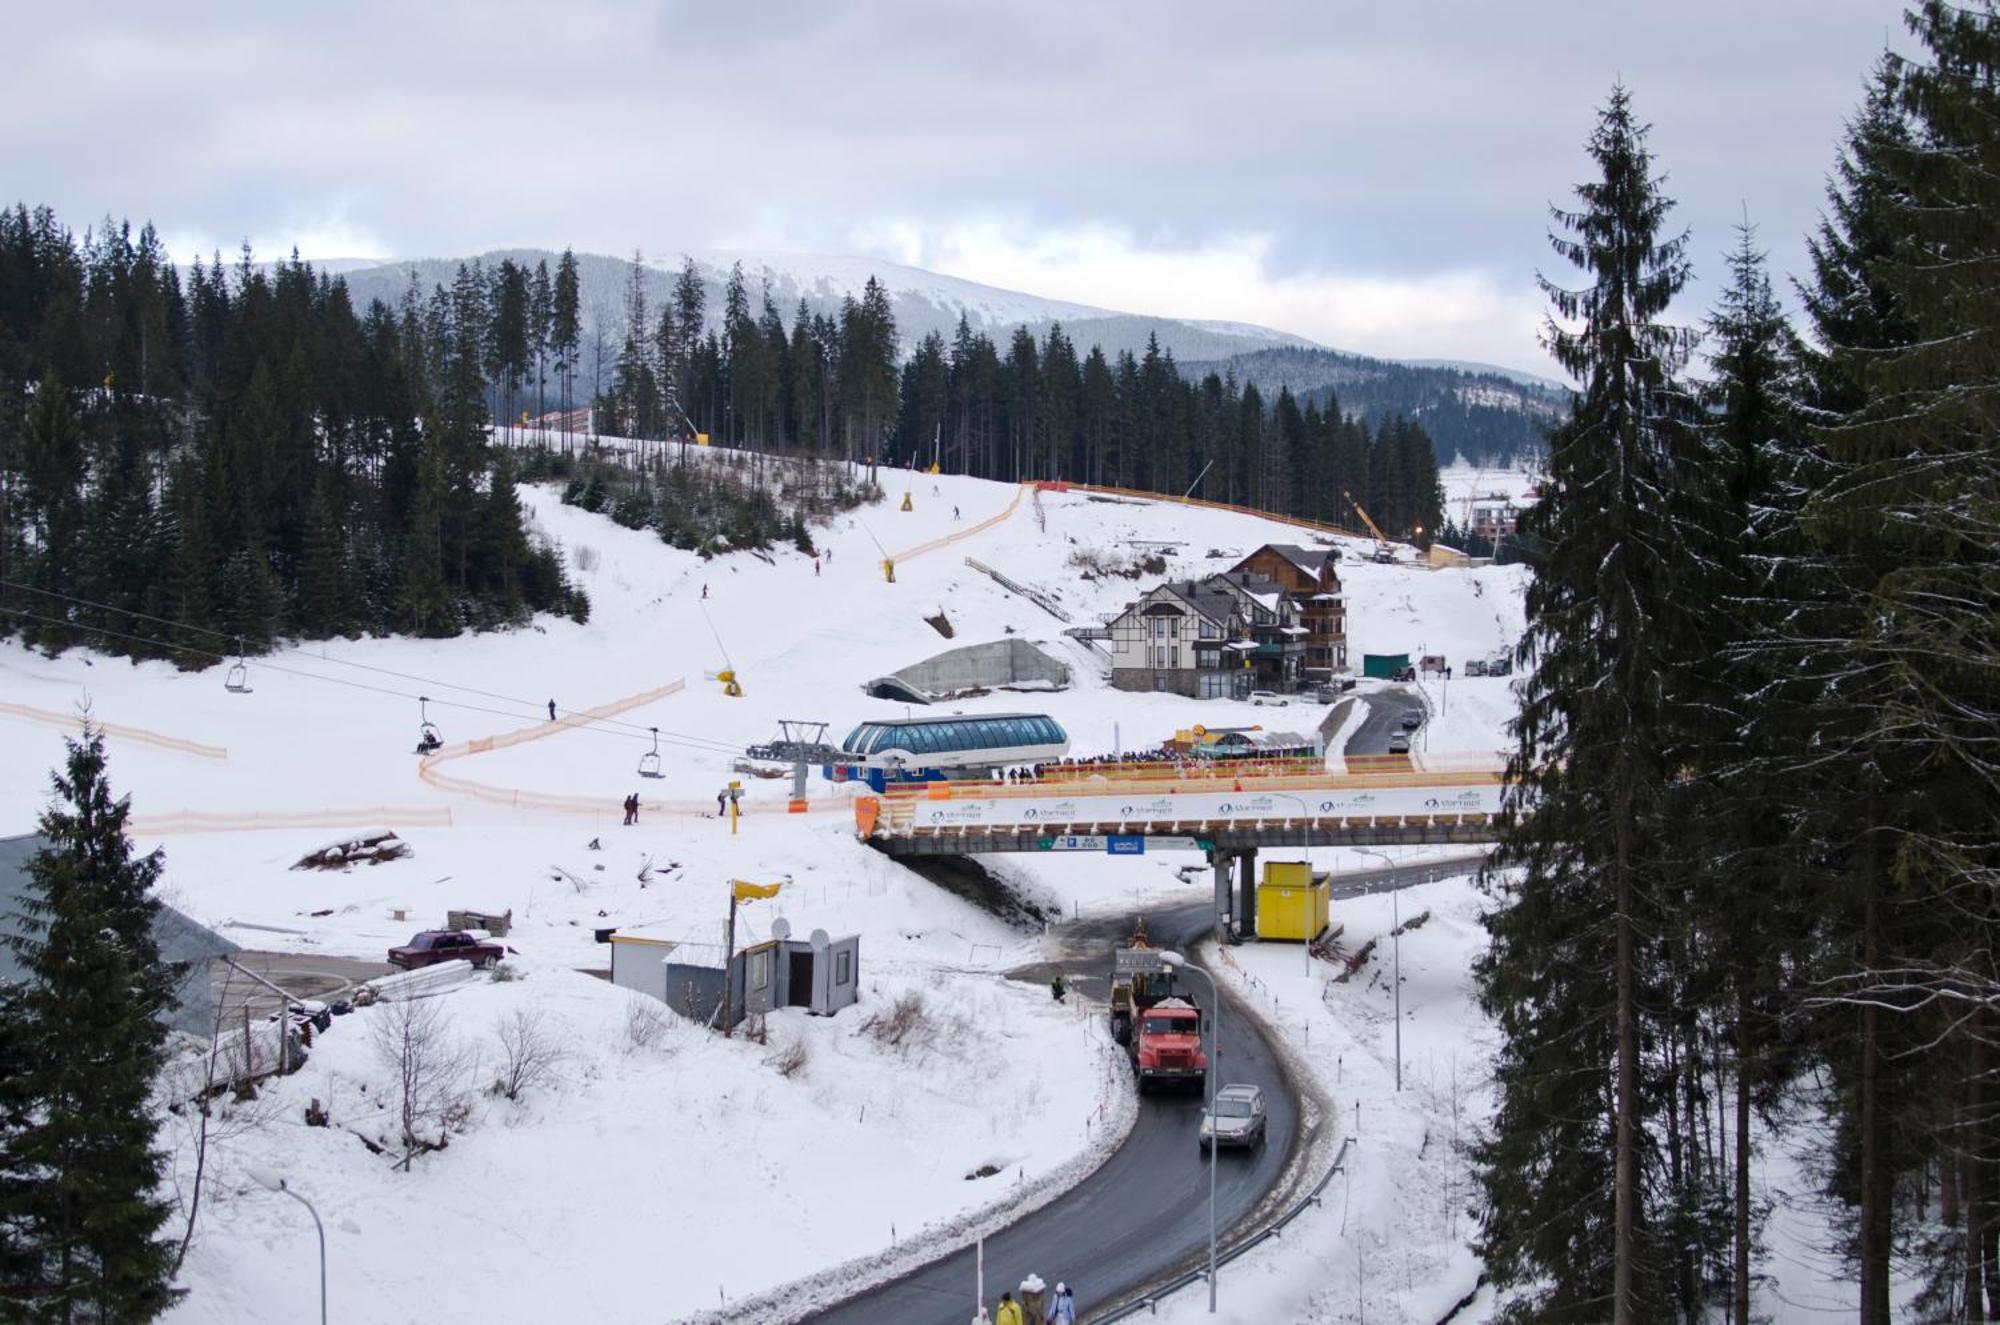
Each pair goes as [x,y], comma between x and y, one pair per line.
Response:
[1009,1312]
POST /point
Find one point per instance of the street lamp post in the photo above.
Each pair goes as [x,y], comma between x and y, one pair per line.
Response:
[1180,963]
[267,1178]
[1396,957]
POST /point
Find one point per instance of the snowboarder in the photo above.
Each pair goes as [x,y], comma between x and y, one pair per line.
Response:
[1057,988]
[815,566]
[1009,1311]
[552,710]
[1062,1307]
[954,512]
[704,591]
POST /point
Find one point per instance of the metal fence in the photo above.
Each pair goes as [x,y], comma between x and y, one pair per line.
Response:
[1149,1301]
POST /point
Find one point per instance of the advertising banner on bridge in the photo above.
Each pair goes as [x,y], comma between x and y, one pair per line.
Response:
[1189,808]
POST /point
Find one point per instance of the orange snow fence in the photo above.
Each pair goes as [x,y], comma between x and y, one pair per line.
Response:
[521,799]
[76,721]
[967,532]
[248,821]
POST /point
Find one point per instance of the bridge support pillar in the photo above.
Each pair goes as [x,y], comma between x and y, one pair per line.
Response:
[1246,893]
[1220,860]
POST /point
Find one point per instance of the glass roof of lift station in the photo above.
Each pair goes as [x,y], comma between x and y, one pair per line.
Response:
[959,735]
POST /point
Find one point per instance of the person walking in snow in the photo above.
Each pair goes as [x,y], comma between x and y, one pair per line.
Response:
[954,512]
[1008,1312]
[552,710]
[721,803]
[1062,1307]
[632,809]
[704,591]
[815,566]
[1033,1292]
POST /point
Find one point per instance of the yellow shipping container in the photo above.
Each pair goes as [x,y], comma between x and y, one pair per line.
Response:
[1291,902]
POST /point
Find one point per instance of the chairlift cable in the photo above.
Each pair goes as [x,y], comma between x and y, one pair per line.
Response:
[634,728]
[697,743]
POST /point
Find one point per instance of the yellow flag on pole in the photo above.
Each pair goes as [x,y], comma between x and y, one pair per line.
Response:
[750,892]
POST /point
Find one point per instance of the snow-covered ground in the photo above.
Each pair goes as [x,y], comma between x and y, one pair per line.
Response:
[655,1180]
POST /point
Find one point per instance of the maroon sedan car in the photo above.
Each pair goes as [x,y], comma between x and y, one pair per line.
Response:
[446,945]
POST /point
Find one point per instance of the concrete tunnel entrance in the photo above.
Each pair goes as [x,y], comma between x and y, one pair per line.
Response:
[998,665]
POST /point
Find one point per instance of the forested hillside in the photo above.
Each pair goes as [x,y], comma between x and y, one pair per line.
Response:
[839,385]
[195,467]
[191,469]
[1492,419]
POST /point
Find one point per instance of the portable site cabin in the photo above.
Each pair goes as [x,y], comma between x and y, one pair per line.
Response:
[1383,665]
[1292,902]
[820,974]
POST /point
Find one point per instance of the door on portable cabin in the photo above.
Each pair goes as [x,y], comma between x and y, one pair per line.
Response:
[799,993]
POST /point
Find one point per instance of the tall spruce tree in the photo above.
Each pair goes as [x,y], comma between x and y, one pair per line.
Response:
[1569,1163]
[1748,915]
[80,1208]
[1908,520]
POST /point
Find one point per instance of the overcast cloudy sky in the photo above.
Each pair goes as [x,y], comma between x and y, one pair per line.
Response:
[1374,176]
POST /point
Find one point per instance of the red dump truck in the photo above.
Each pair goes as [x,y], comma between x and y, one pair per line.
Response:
[1159,1026]
[1167,1050]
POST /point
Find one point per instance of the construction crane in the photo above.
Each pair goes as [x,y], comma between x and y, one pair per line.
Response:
[1385,552]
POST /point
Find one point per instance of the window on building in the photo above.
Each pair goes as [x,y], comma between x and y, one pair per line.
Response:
[843,968]
[760,969]
[1209,630]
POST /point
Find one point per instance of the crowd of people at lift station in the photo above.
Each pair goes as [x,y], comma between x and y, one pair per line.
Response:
[1033,1304]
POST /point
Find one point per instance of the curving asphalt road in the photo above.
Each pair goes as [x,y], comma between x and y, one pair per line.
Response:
[1386,708]
[1145,1211]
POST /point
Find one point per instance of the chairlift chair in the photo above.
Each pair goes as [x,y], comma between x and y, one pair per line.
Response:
[237,682]
[428,736]
[649,763]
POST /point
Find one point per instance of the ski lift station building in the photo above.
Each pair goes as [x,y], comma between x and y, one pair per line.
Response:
[821,974]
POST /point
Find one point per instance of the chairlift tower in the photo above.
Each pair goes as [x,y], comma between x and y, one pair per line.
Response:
[801,744]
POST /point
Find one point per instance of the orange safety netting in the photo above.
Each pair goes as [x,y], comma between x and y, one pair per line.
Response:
[1299,521]
[123,733]
[360,816]
[948,539]
[521,799]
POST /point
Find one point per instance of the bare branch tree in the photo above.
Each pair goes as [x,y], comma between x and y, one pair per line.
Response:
[530,1053]
[428,1069]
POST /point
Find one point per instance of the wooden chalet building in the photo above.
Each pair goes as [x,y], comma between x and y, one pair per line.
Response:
[1185,637]
[1308,581]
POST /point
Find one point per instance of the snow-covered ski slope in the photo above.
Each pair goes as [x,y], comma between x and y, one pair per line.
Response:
[643,1185]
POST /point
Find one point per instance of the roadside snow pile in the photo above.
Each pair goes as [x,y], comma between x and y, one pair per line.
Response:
[645,1168]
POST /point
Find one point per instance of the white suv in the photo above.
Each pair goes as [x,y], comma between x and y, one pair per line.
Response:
[1262,697]
[1238,1118]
